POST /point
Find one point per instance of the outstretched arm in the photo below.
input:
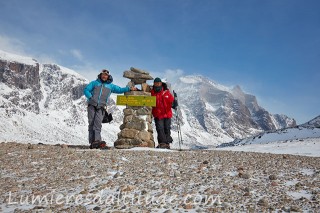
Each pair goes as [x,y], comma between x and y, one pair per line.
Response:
[119,90]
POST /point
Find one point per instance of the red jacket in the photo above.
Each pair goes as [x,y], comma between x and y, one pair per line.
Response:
[164,101]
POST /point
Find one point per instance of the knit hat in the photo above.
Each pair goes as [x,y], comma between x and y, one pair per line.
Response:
[105,71]
[157,80]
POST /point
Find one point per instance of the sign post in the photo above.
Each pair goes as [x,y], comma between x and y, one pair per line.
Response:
[130,100]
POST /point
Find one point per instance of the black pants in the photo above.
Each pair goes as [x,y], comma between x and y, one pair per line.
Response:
[163,127]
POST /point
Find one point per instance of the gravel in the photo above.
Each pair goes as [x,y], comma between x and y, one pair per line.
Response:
[44,178]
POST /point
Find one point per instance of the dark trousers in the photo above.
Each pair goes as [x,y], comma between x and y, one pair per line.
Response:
[95,117]
[163,127]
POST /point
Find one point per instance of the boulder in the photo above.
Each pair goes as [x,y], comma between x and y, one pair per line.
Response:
[134,75]
[129,133]
[136,70]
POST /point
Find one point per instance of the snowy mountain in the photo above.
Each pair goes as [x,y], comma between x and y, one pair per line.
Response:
[221,112]
[314,123]
[45,103]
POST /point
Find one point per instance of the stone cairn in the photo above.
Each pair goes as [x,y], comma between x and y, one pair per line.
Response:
[136,130]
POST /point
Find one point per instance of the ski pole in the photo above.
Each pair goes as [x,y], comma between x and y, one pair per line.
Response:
[177,119]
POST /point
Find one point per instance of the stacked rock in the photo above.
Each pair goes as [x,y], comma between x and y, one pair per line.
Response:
[136,130]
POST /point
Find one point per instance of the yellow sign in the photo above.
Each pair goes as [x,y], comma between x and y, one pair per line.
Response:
[132,100]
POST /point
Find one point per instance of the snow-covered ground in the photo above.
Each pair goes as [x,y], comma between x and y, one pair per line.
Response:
[295,141]
[307,147]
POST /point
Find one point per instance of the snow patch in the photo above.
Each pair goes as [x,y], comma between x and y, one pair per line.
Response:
[10,57]
[307,147]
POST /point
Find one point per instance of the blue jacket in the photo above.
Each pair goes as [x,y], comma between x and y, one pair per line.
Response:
[98,93]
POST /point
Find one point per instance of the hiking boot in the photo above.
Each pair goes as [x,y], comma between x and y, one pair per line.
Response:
[103,145]
[164,146]
[97,145]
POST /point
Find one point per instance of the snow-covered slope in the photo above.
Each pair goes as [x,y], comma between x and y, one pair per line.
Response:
[45,103]
[305,147]
[288,134]
[9,57]
[314,123]
[301,140]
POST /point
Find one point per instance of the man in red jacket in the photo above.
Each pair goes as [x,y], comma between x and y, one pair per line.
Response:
[162,113]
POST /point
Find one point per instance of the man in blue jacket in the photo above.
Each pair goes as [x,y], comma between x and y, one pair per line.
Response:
[98,93]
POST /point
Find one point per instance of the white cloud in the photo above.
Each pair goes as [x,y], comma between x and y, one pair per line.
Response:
[16,46]
[77,54]
[12,45]
[173,75]
[169,75]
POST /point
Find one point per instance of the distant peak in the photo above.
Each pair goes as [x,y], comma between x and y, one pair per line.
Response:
[17,58]
[237,87]
[199,79]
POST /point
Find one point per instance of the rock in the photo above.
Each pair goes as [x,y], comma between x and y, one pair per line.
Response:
[246,194]
[131,84]
[129,133]
[247,189]
[136,75]
[31,146]
[145,87]
[150,128]
[240,168]
[38,207]
[295,209]
[137,125]
[187,206]
[143,111]
[128,111]
[273,177]
[263,202]
[127,119]
[205,162]
[136,70]
[84,192]
[127,188]
[144,135]
[64,146]
[244,175]
[139,81]
[97,208]
[116,175]
[122,126]
[136,142]
[121,142]
[151,144]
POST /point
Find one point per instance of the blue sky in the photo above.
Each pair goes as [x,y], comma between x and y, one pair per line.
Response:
[271,48]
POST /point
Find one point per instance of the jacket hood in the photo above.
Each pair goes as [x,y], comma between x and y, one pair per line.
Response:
[109,81]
